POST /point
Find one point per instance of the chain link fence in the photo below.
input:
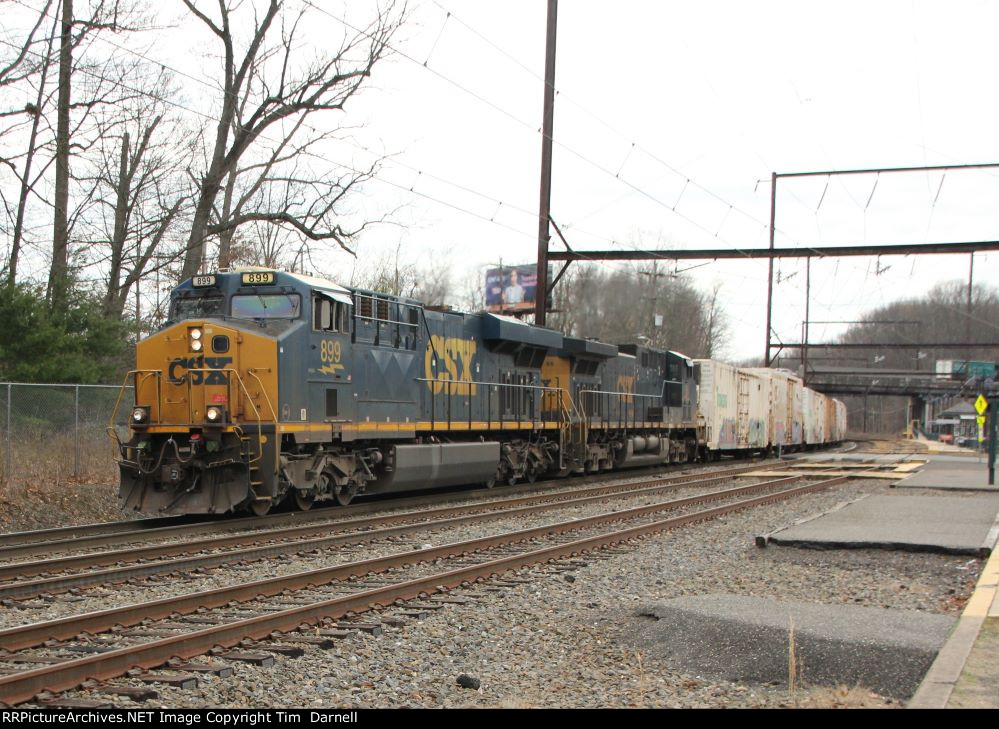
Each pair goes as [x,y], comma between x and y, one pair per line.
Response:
[51,433]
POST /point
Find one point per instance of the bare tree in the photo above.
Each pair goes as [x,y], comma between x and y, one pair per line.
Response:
[647,304]
[268,91]
[103,15]
[140,188]
[26,182]
[24,59]
[42,145]
[715,324]
[428,281]
[58,280]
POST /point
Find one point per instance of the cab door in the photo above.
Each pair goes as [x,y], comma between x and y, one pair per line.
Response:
[330,363]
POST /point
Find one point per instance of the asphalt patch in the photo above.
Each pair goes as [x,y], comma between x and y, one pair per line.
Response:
[747,639]
[942,524]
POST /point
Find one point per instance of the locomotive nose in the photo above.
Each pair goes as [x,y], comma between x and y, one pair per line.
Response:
[197,362]
[202,419]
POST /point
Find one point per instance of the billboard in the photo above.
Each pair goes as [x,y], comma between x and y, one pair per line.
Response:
[512,289]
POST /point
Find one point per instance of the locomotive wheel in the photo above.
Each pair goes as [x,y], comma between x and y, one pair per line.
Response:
[304,501]
[261,507]
[511,480]
[531,475]
[345,495]
[489,483]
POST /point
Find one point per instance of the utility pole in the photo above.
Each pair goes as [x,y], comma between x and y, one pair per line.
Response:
[654,277]
[967,321]
[993,414]
[544,209]
[808,297]
[770,277]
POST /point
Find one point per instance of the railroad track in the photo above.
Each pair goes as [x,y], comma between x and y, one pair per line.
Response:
[299,609]
[46,541]
[20,580]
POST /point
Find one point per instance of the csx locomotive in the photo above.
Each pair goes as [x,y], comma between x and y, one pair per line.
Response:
[265,386]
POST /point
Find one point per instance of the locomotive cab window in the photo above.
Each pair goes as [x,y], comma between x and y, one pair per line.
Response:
[198,306]
[329,315]
[267,306]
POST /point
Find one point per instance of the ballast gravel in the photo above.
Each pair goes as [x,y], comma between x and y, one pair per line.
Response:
[102,597]
[561,642]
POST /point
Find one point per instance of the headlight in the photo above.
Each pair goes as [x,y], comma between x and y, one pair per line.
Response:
[196,345]
[195,339]
[215,415]
[195,334]
[140,415]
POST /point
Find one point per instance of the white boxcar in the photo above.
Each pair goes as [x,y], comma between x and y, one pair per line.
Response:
[786,416]
[735,405]
[839,421]
[815,417]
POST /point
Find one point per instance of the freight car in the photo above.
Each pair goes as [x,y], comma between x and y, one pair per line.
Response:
[760,410]
[265,385]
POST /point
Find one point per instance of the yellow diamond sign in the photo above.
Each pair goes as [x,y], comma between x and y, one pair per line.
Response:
[981,404]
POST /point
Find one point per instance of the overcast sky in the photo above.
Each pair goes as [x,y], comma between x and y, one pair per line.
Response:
[653,94]
[670,118]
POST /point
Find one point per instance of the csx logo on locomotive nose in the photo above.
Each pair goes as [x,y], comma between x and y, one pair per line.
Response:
[198,364]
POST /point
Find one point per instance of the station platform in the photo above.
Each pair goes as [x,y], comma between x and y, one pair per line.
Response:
[964,473]
[901,521]
[946,505]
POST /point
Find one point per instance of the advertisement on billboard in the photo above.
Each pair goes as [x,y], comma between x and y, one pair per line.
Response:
[512,289]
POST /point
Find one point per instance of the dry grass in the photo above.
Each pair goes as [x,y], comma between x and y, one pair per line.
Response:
[39,488]
[792,663]
[844,697]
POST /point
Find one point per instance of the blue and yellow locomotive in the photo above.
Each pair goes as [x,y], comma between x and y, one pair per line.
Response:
[266,385]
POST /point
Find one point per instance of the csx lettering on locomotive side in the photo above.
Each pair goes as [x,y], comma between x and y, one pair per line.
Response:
[454,353]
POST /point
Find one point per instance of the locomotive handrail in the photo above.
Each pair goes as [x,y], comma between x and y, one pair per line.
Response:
[270,406]
[623,395]
[450,383]
[111,430]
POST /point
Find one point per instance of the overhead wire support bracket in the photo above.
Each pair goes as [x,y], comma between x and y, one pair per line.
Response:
[558,231]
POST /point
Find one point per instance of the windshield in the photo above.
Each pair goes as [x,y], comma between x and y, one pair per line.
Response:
[199,307]
[267,306]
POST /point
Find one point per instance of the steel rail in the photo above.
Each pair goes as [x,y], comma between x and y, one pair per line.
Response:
[18,570]
[24,686]
[37,633]
[58,535]
[87,536]
[443,518]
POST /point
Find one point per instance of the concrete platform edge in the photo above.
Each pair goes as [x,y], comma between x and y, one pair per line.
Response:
[938,685]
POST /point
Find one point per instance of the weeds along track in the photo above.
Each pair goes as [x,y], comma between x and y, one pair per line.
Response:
[59,655]
[28,579]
